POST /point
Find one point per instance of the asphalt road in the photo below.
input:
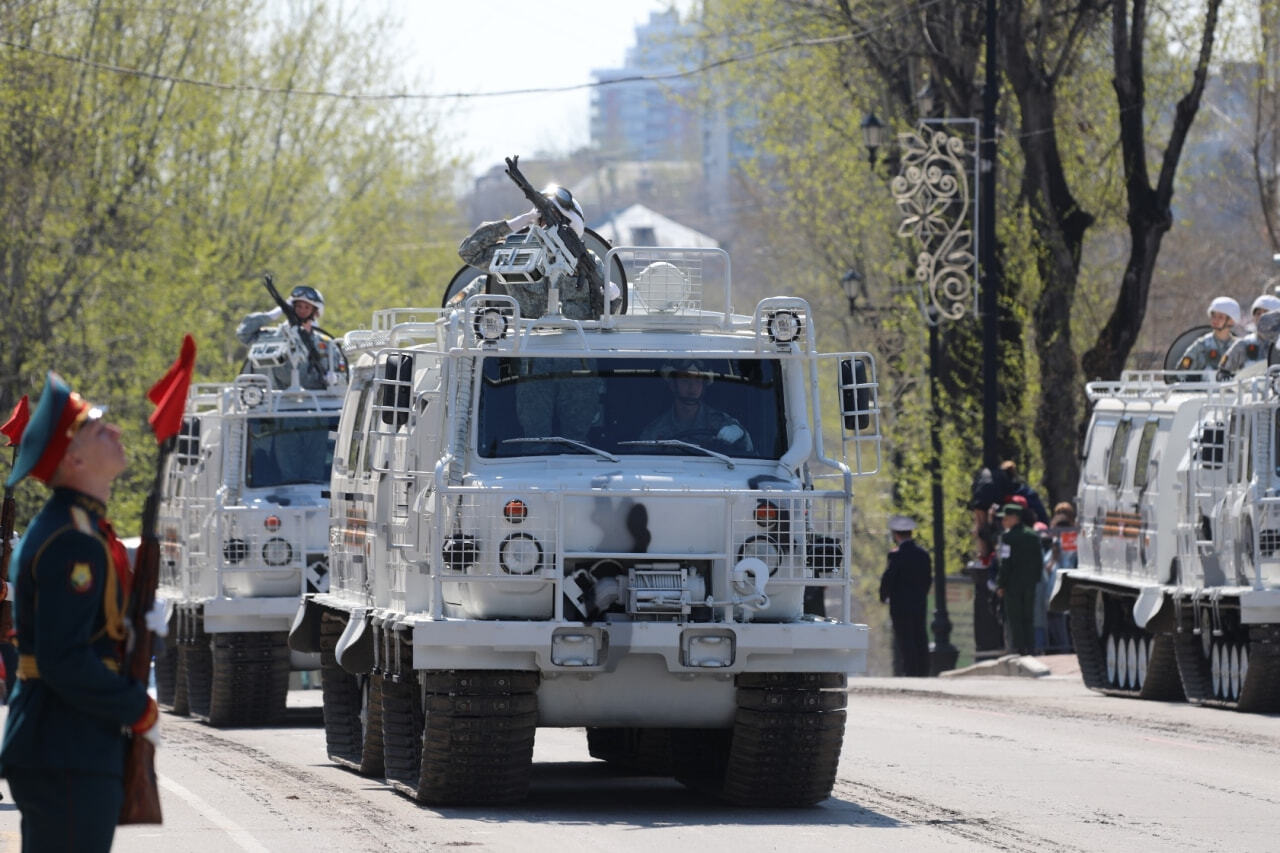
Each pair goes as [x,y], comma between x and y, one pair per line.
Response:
[983,763]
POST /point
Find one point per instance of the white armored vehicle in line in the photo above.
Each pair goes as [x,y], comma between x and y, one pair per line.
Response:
[523,536]
[1178,587]
[244,527]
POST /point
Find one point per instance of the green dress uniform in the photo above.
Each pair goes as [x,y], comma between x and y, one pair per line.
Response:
[64,738]
[1021,564]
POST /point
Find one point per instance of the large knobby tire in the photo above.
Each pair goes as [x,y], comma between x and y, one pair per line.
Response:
[250,678]
[787,736]
[199,668]
[477,744]
[341,696]
[166,669]
[403,720]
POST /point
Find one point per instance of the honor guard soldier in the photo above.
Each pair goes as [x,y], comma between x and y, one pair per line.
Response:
[1206,351]
[1255,346]
[905,585]
[64,739]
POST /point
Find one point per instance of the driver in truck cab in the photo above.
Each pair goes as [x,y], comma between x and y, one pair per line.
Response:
[690,418]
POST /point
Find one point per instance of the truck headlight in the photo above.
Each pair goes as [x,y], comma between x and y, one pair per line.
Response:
[763,548]
[277,552]
[235,550]
[520,554]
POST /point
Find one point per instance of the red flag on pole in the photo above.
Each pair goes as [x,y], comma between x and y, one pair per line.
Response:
[170,393]
[17,423]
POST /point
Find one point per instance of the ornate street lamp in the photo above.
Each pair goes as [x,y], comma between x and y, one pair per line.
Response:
[936,192]
[874,135]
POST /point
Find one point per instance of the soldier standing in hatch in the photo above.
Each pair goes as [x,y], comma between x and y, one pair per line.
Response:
[1021,564]
[905,585]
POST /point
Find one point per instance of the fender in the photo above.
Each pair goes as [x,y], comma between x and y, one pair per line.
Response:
[1151,613]
[355,646]
[304,633]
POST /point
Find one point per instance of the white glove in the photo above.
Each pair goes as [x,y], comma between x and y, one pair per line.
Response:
[331,378]
[522,221]
[730,433]
[153,734]
[157,618]
[276,313]
[612,291]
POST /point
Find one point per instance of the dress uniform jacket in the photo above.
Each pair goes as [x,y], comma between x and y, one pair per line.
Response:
[72,703]
[905,585]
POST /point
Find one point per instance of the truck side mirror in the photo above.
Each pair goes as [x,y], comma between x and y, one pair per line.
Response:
[855,394]
[397,376]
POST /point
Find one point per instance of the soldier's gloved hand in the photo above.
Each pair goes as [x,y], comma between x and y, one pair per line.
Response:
[730,433]
[157,619]
[331,378]
[148,725]
[276,313]
[522,221]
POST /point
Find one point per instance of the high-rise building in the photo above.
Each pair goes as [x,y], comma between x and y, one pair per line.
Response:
[646,118]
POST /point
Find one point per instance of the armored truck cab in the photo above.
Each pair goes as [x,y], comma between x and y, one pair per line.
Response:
[244,526]
[1178,586]
[524,534]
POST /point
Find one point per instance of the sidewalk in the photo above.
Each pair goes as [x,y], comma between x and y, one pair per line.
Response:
[1020,666]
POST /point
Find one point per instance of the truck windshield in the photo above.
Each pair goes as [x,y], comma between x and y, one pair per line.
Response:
[289,450]
[625,406]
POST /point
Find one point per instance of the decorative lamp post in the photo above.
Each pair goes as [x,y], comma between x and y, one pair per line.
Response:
[936,191]
[874,135]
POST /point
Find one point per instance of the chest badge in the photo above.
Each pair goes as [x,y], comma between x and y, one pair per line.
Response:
[81,577]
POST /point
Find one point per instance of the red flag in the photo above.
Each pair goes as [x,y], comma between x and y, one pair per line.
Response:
[17,423]
[170,393]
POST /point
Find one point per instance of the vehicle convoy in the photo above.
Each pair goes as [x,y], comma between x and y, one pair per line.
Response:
[517,543]
[244,527]
[1178,587]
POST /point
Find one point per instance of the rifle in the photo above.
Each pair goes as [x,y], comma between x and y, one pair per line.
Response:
[141,794]
[555,219]
[313,355]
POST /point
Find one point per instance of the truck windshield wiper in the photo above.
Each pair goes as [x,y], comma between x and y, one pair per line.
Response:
[676,442]
[560,439]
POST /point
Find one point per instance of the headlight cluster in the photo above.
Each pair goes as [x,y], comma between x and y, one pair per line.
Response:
[518,553]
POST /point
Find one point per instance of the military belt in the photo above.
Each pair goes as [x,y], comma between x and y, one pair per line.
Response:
[29,671]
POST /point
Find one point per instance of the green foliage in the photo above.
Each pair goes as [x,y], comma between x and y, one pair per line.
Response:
[156,162]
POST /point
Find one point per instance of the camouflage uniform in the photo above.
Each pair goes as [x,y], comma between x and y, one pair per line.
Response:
[252,330]
[1204,353]
[1251,348]
[578,300]
[708,422]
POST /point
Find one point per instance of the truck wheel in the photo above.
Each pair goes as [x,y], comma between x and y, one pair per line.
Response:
[342,698]
[402,723]
[787,736]
[477,746]
[166,671]
[199,666]
[250,678]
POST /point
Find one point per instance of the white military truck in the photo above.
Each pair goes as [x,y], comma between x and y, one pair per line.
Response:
[244,527]
[1178,586]
[517,541]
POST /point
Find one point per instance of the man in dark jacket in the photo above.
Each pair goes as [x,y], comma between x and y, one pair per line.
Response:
[1021,564]
[905,585]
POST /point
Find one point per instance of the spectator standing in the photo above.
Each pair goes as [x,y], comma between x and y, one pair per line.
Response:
[1021,566]
[1020,489]
[905,586]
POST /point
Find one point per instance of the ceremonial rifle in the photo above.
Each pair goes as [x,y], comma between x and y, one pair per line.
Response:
[141,794]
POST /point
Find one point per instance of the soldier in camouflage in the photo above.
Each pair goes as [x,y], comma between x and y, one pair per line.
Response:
[578,299]
[1207,351]
[1256,346]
